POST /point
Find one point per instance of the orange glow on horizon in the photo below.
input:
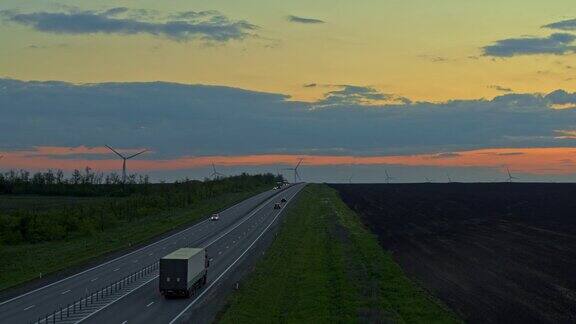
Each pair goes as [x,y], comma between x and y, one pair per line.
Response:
[552,160]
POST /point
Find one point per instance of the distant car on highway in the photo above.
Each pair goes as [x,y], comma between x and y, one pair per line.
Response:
[277,206]
[283,200]
[215,217]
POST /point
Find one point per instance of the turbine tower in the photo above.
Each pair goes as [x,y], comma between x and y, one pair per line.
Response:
[124,159]
[448,176]
[510,177]
[215,174]
[295,169]
[428,180]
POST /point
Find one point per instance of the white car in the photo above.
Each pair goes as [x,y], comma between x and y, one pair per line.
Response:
[214,217]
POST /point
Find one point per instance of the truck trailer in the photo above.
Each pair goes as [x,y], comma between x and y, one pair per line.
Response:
[183,271]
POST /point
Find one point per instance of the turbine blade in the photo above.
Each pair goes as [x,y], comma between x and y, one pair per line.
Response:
[113,150]
[300,162]
[135,155]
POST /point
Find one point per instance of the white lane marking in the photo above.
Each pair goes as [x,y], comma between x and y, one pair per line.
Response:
[94,279]
[219,252]
[124,322]
[227,246]
[256,197]
[150,304]
[27,308]
[135,261]
[230,266]
[66,291]
[151,253]
[116,269]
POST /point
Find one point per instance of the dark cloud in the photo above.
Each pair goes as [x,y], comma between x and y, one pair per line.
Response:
[568,25]
[556,44]
[301,20]
[208,25]
[561,97]
[500,88]
[218,120]
[348,95]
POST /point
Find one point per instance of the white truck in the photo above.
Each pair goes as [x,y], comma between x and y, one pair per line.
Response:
[183,271]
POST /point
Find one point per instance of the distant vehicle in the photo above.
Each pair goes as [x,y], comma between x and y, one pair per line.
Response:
[277,206]
[215,217]
[183,271]
[283,200]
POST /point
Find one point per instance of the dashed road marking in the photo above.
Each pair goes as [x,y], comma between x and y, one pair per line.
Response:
[219,252]
[116,269]
[150,304]
[27,308]
[124,322]
[65,292]
[94,279]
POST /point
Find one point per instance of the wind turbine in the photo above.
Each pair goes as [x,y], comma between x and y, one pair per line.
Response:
[510,177]
[388,177]
[448,176]
[427,180]
[124,159]
[295,169]
[350,179]
[215,174]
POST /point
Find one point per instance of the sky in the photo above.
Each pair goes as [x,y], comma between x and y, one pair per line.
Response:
[464,90]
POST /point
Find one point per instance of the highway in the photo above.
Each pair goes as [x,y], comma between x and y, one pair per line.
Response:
[138,300]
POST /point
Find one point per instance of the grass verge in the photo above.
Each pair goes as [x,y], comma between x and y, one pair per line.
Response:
[325,266]
[25,262]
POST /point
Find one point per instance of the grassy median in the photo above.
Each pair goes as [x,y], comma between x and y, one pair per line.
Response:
[325,266]
[24,262]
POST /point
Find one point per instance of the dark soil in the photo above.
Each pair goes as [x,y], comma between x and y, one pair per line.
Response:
[494,253]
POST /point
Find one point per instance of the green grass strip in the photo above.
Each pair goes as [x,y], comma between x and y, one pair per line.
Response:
[325,266]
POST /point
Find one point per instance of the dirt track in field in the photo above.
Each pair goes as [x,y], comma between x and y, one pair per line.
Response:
[494,253]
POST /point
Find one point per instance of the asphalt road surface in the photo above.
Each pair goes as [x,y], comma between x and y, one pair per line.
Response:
[227,241]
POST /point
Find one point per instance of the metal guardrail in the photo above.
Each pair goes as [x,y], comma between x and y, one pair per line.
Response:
[67,312]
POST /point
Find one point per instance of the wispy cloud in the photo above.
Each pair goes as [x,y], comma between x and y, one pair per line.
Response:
[568,25]
[500,88]
[555,44]
[187,26]
[302,20]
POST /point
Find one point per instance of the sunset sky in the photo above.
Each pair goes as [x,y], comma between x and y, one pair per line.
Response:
[422,89]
